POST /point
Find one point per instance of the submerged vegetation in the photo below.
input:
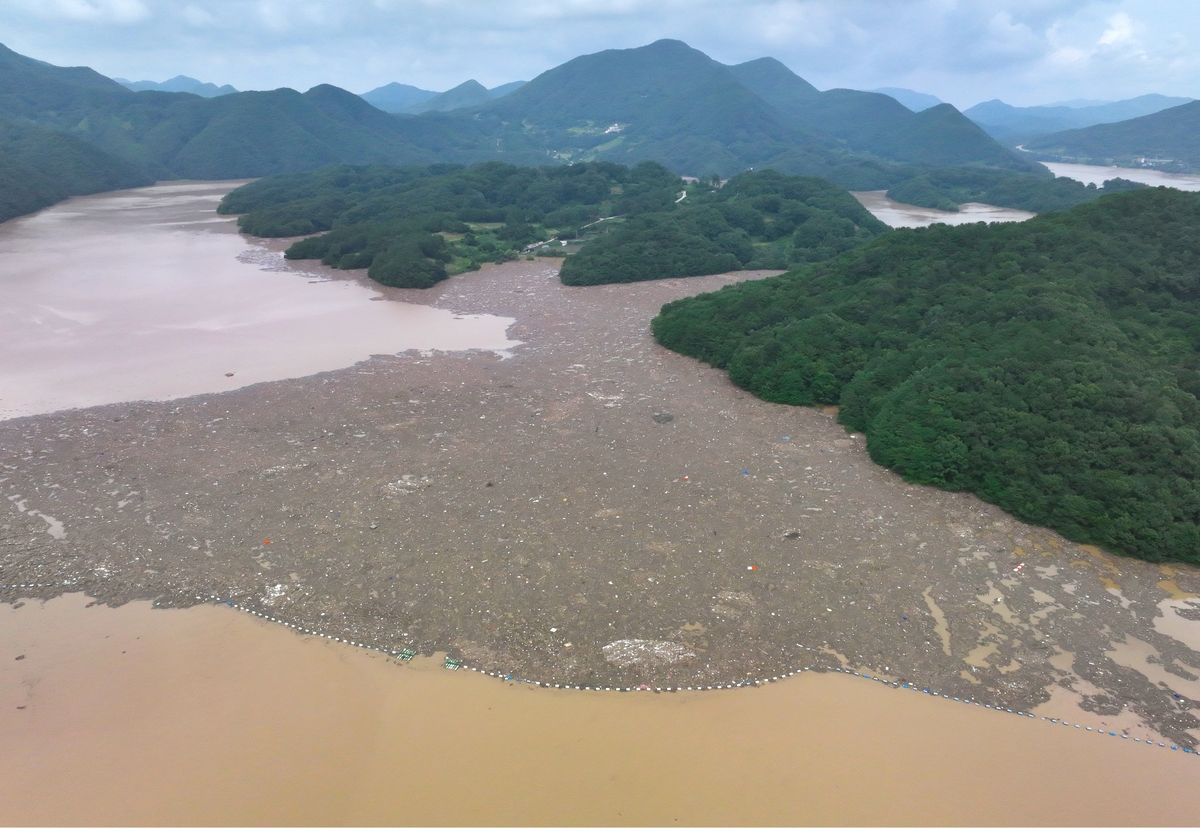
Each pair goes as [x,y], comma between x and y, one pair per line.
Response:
[1051,367]
[414,226]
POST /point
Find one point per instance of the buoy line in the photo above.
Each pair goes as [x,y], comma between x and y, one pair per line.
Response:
[406,654]
[455,664]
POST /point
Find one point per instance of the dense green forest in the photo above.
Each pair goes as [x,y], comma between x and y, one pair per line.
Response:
[1052,367]
[757,220]
[414,226]
[39,167]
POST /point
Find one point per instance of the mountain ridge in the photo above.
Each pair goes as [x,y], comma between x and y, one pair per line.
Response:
[1014,123]
[179,83]
[1164,140]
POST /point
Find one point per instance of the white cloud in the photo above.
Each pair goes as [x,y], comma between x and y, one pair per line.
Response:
[1120,30]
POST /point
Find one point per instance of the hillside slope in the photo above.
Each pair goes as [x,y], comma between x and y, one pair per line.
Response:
[41,166]
[874,123]
[1019,123]
[396,97]
[238,135]
[1165,140]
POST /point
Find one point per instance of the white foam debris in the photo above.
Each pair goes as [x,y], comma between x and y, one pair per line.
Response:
[629,652]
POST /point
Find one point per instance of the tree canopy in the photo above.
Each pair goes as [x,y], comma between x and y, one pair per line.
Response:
[414,226]
[1051,367]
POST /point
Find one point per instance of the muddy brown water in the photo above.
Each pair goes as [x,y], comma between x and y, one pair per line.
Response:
[147,294]
[897,214]
[443,471]
[1089,174]
[208,715]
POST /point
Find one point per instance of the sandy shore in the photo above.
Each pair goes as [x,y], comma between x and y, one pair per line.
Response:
[592,510]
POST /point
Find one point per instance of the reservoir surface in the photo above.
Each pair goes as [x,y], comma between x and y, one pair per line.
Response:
[208,715]
[490,487]
[897,214]
[147,294]
[1089,174]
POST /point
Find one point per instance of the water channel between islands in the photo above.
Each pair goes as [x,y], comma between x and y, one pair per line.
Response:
[520,477]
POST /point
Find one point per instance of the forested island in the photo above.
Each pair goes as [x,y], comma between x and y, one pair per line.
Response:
[1051,367]
[414,226]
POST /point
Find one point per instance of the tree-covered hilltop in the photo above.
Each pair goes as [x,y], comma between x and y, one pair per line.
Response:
[1051,367]
[756,220]
[414,226]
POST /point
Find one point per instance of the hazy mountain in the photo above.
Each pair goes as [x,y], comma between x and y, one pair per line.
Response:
[664,102]
[1014,123]
[240,135]
[179,83]
[916,101]
[504,88]
[1165,140]
[667,102]
[874,123]
[470,93]
[1076,103]
[396,97]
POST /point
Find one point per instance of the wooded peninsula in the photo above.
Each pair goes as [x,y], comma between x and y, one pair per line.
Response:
[1051,367]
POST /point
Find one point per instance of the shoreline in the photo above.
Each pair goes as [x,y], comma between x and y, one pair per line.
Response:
[478,505]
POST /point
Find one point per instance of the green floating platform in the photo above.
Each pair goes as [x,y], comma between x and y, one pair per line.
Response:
[452,664]
[406,654]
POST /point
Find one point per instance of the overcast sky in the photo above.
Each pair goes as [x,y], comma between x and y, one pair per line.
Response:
[964,51]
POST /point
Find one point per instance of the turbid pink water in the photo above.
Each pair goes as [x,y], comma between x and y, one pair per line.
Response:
[898,214]
[1098,175]
[148,294]
[210,716]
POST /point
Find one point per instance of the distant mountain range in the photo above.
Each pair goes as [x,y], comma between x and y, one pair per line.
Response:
[399,97]
[1165,140]
[179,83]
[1016,124]
[396,97]
[468,94]
[664,102]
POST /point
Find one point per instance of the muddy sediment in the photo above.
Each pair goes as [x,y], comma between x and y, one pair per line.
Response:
[592,510]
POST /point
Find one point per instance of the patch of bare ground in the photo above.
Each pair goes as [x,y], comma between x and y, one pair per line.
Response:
[593,510]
